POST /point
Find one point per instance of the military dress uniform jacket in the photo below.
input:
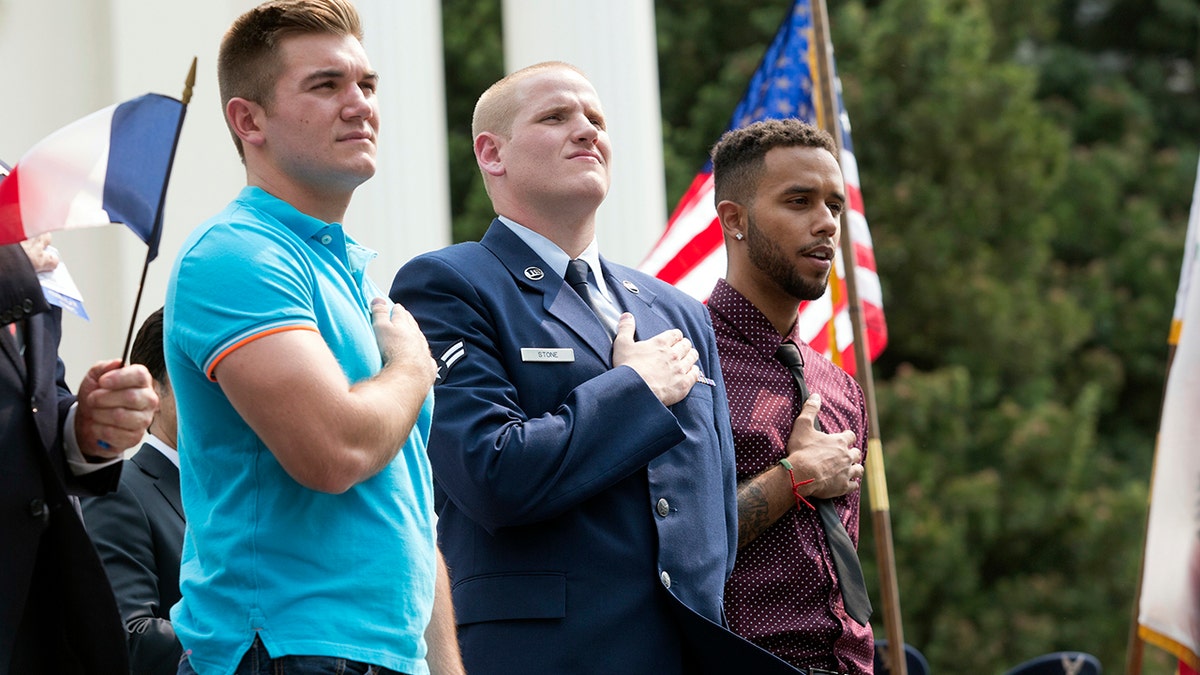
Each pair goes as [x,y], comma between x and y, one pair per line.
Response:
[587,527]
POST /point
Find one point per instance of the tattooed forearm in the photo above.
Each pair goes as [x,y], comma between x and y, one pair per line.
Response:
[754,514]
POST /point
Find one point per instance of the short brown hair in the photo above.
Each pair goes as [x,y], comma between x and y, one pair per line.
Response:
[497,106]
[739,157]
[248,61]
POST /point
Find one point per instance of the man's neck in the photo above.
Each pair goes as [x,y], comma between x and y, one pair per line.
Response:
[570,224]
[326,205]
[779,308]
[572,238]
[781,314]
[166,436]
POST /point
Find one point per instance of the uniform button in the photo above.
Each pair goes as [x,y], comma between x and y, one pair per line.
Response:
[33,404]
[37,509]
[663,508]
[666,578]
[326,239]
[27,305]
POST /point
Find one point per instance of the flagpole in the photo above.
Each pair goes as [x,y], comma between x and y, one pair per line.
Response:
[152,246]
[1134,648]
[876,477]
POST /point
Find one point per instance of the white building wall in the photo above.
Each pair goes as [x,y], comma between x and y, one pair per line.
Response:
[64,59]
[614,44]
[405,209]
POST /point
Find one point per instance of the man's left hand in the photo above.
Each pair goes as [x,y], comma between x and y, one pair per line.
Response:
[41,253]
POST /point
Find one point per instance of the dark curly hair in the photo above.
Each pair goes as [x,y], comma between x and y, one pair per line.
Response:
[738,158]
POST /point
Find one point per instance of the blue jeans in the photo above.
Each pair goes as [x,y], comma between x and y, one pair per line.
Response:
[258,662]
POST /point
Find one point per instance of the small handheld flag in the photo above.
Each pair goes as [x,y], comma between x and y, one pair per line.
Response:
[109,167]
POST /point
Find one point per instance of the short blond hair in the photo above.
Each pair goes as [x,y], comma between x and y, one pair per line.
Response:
[497,107]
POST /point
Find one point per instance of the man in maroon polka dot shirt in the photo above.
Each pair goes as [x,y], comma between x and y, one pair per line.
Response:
[780,195]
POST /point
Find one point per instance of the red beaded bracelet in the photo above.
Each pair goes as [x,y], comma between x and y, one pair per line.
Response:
[796,486]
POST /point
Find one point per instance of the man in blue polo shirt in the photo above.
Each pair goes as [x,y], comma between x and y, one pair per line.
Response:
[304,397]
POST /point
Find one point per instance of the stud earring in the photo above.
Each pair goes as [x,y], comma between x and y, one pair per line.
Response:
[738,236]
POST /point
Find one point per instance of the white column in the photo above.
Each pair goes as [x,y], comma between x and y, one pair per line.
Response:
[614,44]
[405,209]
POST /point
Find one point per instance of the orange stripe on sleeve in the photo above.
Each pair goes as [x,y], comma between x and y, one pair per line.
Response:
[212,370]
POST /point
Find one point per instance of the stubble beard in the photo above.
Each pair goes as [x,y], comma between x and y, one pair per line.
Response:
[774,262]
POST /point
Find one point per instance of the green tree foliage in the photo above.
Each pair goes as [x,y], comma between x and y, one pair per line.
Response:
[1027,168]
[1028,199]
[474,60]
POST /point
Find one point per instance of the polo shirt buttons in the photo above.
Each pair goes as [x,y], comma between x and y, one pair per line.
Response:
[326,239]
[666,579]
[663,507]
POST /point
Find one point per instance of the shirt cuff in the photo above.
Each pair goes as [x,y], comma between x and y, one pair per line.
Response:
[75,459]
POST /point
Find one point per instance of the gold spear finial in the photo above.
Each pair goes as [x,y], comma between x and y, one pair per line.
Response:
[191,82]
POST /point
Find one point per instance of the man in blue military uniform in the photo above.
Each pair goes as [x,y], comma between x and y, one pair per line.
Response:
[581,444]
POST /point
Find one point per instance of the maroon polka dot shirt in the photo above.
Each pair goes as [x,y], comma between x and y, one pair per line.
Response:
[783,594]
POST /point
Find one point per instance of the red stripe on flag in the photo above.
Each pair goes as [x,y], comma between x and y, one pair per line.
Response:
[704,244]
[820,342]
[864,256]
[876,329]
[854,198]
[12,230]
[695,192]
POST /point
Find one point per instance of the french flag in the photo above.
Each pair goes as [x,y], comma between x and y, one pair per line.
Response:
[109,167]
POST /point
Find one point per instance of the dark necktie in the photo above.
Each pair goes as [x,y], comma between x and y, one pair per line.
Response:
[577,276]
[845,558]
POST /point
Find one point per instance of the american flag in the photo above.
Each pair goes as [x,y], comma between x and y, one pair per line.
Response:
[691,253]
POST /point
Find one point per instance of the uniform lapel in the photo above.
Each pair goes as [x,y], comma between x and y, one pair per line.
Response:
[558,299]
[636,300]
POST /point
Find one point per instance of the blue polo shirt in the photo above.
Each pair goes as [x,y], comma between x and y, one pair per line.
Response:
[346,575]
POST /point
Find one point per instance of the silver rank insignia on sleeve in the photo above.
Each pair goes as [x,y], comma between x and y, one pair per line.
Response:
[446,361]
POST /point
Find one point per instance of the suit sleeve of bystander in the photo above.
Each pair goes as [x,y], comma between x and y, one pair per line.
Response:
[133,556]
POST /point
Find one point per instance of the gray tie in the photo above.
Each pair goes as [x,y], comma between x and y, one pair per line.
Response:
[845,558]
[577,276]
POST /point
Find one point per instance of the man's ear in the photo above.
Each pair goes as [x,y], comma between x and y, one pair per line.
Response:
[733,219]
[487,153]
[245,118]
